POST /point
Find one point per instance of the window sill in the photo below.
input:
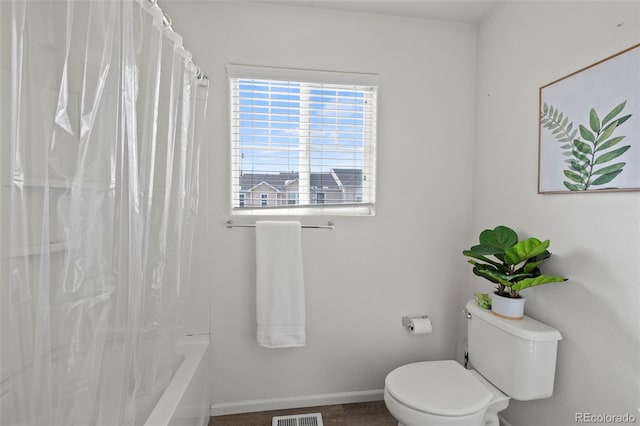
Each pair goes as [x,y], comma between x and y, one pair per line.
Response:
[328,210]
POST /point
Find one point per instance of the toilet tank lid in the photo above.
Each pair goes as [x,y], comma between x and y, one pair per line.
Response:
[527,328]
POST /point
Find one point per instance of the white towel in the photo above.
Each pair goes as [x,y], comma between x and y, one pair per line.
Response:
[280,306]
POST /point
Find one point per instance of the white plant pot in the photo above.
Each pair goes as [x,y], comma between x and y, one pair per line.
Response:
[507,307]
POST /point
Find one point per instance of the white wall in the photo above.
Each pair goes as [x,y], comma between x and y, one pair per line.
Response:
[594,237]
[368,272]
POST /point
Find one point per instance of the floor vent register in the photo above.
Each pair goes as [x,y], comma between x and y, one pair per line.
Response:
[298,420]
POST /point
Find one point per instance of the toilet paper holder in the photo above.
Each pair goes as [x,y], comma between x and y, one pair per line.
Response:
[406,320]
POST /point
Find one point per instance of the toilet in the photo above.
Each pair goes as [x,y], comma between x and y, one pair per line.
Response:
[511,359]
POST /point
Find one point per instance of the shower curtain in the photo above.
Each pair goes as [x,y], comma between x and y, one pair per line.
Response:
[102,113]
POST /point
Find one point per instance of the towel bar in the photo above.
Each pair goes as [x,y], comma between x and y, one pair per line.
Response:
[230,224]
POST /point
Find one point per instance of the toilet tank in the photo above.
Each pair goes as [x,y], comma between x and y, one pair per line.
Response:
[517,356]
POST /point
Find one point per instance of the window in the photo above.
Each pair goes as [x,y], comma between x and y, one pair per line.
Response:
[307,136]
[264,198]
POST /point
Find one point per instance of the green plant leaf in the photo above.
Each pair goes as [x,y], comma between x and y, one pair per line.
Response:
[578,167]
[482,258]
[617,110]
[611,155]
[580,156]
[507,284]
[572,187]
[525,249]
[539,280]
[501,238]
[609,169]
[586,134]
[594,121]
[573,176]
[483,299]
[607,132]
[582,147]
[608,144]
[502,276]
[531,267]
[622,119]
[486,266]
[558,123]
[484,273]
[481,250]
[606,178]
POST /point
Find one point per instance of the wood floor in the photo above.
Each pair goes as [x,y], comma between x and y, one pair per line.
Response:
[361,414]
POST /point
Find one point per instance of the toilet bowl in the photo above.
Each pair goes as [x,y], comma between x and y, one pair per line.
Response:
[442,393]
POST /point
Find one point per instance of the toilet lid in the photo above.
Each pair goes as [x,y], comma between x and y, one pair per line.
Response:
[438,387]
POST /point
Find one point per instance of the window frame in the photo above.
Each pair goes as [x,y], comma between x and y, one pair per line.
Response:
[237,71]
[292,198]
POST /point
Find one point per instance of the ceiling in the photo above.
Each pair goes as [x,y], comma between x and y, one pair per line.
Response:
[466,11]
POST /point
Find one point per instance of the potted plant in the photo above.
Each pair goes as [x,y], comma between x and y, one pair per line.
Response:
[510,264]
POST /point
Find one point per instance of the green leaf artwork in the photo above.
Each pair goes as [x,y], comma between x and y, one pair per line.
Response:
[589,148]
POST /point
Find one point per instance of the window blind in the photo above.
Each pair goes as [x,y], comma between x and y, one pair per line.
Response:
[301,142]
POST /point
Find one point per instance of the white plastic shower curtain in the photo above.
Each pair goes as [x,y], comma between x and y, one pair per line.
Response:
[99,166]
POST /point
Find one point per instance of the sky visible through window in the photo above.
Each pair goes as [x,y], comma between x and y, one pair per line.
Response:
[278,118]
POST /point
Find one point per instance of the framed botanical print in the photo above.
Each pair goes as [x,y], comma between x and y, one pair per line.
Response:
[589,133]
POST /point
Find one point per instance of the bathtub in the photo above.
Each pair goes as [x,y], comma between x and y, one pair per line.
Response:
[185,401]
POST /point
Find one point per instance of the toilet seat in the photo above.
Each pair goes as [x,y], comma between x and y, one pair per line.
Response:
[442,388]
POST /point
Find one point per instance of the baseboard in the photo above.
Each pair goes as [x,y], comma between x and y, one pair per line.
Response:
[503,422]
[268,404]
